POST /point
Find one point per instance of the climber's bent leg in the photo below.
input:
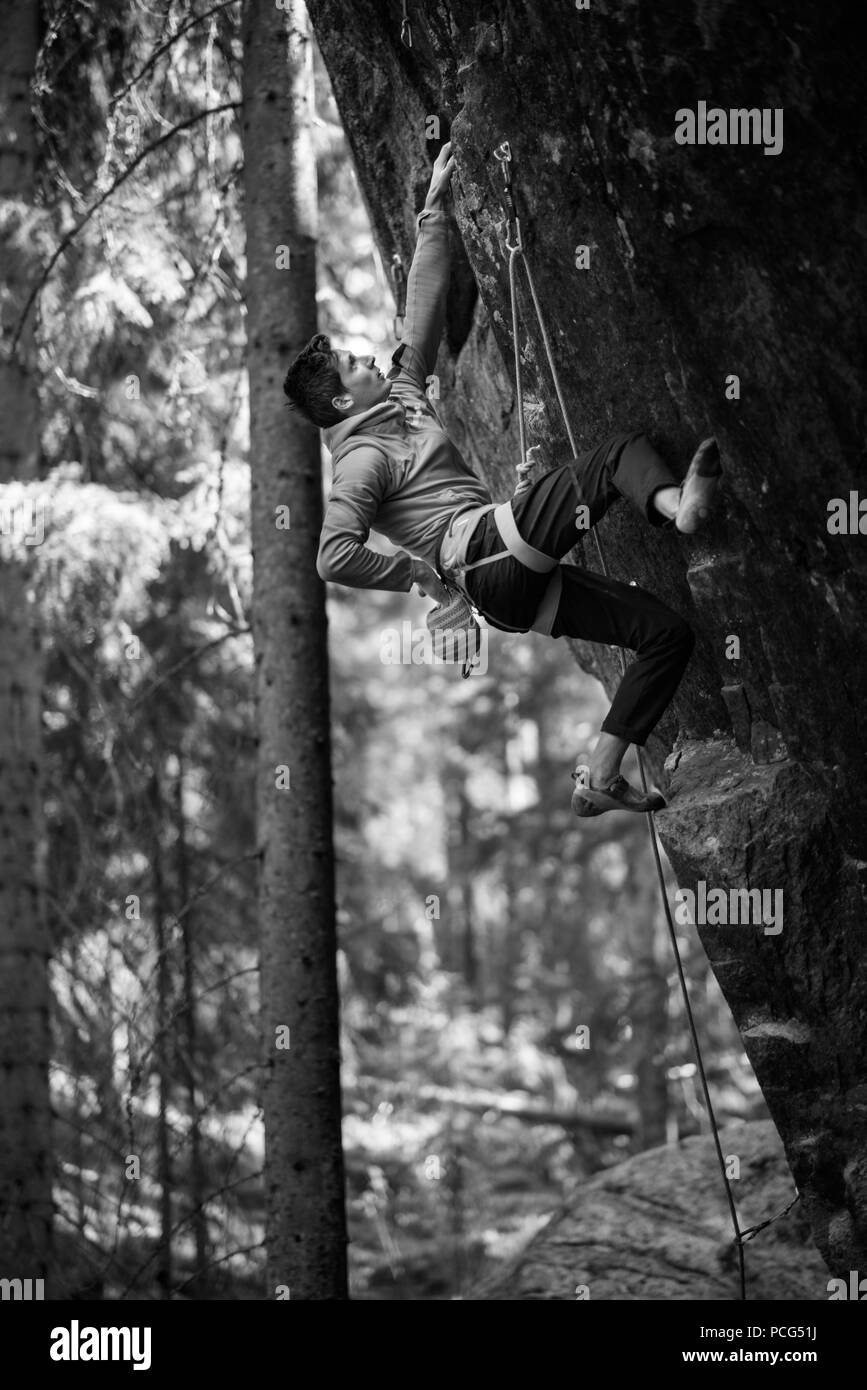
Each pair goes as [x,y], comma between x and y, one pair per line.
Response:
[604,610]
[592,607]
[597,609]
[624,465]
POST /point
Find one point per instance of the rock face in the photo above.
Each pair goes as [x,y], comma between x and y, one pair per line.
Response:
[706,263]
[657,1228]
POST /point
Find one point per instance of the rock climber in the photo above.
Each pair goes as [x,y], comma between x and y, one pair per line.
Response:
[395,469]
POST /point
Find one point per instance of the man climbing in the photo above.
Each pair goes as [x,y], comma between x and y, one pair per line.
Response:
[395,469]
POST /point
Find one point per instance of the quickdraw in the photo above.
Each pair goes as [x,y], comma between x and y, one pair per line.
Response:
[405,29]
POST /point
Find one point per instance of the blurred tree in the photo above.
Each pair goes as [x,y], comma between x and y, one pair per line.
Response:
[162,1050]
[188,1048]
[304,1162]
[25,1117]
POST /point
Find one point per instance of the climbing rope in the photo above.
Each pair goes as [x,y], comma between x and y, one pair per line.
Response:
[515,246]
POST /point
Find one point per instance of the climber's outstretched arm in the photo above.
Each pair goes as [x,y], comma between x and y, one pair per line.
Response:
[428,281]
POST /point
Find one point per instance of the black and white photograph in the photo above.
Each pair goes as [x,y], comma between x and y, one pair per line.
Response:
[433,574]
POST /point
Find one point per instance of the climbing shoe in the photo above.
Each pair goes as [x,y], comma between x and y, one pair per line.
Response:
[698,491]
[616,795]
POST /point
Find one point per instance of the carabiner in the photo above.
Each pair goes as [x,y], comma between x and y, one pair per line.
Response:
[405,29]
[503,153]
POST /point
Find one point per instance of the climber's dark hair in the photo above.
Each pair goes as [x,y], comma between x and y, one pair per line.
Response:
[312,380]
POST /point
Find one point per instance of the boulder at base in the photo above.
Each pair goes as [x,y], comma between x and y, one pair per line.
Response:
[657,1227]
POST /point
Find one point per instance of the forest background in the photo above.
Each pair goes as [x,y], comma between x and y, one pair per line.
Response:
[510,1016]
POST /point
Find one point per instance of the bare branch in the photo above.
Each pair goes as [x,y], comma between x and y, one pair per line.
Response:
[185,661]
[103,198]
[164,47]
[220,1260]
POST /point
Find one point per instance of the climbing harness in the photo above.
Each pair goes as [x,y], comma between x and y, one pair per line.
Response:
[398,280]
[453,567]
[515,246]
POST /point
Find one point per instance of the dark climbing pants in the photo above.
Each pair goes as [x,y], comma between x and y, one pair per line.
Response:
[591,607]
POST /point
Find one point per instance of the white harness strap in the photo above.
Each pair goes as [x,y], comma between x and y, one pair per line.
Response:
[454,548]
[534,559]
[550,602]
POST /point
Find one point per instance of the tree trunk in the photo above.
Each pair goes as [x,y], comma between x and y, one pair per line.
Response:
[188,1051]
[306,1224]
[462,954]
[469,957]
[25,1037]
[705,263]
[163,1026]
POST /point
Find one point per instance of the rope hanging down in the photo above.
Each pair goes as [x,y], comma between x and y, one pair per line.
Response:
[515,247]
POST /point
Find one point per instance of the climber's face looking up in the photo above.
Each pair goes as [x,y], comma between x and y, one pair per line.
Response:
[364,384]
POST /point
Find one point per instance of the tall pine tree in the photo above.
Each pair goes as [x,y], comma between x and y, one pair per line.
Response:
[306,1233]
[25,1152]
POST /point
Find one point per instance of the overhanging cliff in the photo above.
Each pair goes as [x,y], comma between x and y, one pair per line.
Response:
[706,263]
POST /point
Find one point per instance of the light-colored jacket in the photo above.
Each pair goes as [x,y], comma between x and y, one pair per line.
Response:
[395,470]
